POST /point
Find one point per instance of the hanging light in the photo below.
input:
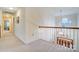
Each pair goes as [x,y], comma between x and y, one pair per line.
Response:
[60,33]
[61,13]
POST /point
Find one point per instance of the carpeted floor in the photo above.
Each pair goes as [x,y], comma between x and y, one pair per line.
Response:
[9,43]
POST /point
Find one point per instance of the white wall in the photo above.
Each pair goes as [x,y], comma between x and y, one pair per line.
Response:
[26,30]
[20,28]
[45,18]
[46,33]
[31,28]
[0,16]
[1,21]
[78,31]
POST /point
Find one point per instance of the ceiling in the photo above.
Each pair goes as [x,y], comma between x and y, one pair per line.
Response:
[47,10]
[59,10]
[9,9]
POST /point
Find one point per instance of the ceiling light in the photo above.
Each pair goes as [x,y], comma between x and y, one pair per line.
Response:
[11,8]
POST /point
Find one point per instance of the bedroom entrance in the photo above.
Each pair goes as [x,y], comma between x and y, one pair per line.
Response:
[7,23]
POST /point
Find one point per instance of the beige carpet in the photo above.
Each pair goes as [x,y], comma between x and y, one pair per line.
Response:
[9,43]
[41,46]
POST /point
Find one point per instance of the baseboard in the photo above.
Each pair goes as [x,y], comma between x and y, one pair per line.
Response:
[19,39]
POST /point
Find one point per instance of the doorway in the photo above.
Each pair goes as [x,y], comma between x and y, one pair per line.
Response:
[7,22]
[6,25]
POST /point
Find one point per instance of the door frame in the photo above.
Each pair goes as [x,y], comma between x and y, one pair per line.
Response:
[10,17]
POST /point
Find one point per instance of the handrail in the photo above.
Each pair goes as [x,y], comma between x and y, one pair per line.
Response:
[68,32]
[59,27]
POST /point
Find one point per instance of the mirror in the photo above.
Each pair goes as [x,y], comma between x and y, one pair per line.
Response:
[6,25]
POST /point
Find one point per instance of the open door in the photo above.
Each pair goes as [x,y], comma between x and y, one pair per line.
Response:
[7,23]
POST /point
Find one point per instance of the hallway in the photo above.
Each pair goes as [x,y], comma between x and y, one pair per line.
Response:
[38,28]
[9,41]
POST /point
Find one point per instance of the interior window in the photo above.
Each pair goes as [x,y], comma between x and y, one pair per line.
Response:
[66,22]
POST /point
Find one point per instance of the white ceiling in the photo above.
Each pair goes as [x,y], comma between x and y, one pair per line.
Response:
[9,9]
[56,10]
[45,14]
[49,10]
